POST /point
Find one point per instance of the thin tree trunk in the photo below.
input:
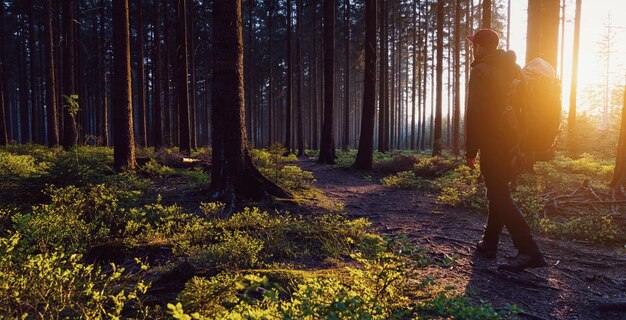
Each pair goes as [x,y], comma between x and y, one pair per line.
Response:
[299,71]
[289,113]
[415,72]
[456,134]
[365,155]
[437,143]
[346,119]
[270,94]
[571,117]
[182,85]
[51,102]
[70,133]
[167,105]
[34,95]
[103,81]
[192,74]
[619,175]
[157,113]
[4,136]
[123,135]
[141,79]
[327,149]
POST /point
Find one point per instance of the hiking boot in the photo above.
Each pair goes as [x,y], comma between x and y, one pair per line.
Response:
[485,250]
[524,261]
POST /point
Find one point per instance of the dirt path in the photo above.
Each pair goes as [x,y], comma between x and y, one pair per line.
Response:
[580,276]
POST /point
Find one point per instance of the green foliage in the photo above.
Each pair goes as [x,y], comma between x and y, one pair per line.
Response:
[273,164]
[404,180]
[71,104]
[198,178]
[459,187]
[153,169]
[461,307]
[75,218]
[56,285]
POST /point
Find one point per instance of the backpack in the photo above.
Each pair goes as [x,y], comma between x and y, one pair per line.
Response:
[533,111]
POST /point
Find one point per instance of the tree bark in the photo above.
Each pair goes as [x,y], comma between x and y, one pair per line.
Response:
[182,85]
[346,119]
[365,155]
[123,135]
[157,113]
[299,71]
[383,100]
[4,136]
[487,14]
[543,30]
[289,113]
[70,133]
[437,143]
[103,81]
[233,173]
[327,148]
[571,117]
[34,95]
[619,175]
[141,79]
[456,118]
[51,100]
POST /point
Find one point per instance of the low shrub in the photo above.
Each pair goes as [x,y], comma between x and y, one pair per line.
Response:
[404,180]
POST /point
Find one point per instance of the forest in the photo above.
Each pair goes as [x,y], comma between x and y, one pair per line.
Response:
[309,159]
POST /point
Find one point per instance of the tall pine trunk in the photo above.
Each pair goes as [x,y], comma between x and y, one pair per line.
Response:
[70,133]
[346,119]
[182,83]
[289,113]
[233,174]
[157,113]
[571,117]
[104,101]
[51,99]
[299,71]
[327,148]
[365,155]
[123,135]
[141,79]
[34,95]
[4,136]
[437,143]
[456,118]
[487,14]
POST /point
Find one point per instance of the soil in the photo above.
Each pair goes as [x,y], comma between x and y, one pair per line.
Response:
[583,280]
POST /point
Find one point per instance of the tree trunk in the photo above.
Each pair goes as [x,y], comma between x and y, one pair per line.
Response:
[365,155]
[193,126]
[619,176]
[415,72]
[70,133]
[383,103]
[182,85]
[456,125]
[437,143]
[487,14]
[327,148]
[4,136]
[34,95]
[571,117]
[157,113]
[51,100]
[23,85]
[141,79]
[289,113]
[123,135]
[543,30]
[346,119]
[270,94]
[103,81]
[299,71]
[233,174]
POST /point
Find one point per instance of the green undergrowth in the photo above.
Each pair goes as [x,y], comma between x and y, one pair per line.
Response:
[93,245]
[456,185]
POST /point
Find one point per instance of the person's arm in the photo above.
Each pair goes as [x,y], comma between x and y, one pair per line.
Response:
[478,95]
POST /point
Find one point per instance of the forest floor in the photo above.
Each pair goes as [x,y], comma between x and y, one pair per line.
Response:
[583,280]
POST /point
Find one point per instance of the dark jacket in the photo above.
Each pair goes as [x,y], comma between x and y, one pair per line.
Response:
[490,80]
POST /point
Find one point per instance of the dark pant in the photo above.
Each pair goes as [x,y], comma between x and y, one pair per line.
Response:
[502,210]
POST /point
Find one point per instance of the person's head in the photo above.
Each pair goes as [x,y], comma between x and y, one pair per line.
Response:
[483,41]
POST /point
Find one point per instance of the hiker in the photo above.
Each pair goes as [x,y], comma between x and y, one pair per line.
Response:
[493,71]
